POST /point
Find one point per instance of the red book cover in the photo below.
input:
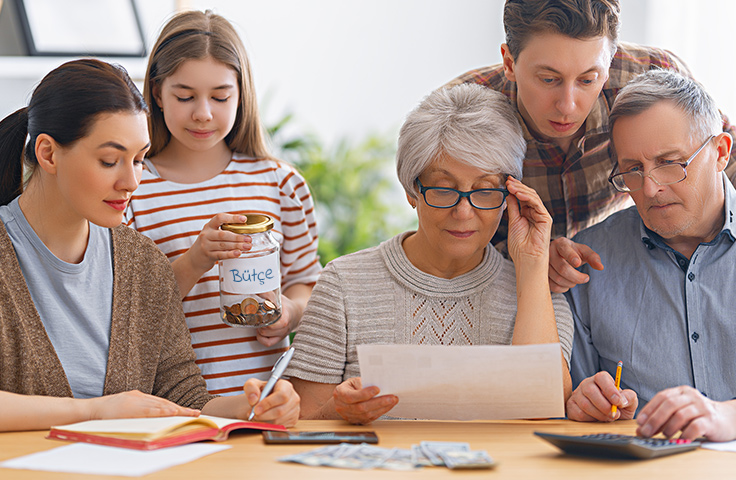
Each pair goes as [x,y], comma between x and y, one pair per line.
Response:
[154,433]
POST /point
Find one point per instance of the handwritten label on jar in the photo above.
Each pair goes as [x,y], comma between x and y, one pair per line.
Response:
[250,275]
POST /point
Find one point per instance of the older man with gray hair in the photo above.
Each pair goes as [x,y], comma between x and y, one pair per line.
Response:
[664,303]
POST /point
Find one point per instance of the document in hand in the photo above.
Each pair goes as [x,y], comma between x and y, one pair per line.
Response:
[486,382]
[153,433]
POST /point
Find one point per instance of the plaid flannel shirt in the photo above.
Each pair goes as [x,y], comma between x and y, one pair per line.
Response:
[574,185]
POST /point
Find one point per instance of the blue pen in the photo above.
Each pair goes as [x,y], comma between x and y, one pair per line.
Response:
[276,372]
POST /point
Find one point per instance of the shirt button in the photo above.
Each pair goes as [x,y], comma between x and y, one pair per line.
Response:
[695,336]
[681,262]
[691,276]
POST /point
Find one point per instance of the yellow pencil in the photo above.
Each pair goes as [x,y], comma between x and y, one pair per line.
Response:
[618,383]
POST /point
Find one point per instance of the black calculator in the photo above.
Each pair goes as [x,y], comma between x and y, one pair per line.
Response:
[610,445]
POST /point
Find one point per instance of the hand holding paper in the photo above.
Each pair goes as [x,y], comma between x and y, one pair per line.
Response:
[360,405]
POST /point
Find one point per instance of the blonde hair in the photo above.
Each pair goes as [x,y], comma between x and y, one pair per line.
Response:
[199,35]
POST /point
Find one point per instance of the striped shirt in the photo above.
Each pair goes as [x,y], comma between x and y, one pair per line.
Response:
[574,185]
[173,214]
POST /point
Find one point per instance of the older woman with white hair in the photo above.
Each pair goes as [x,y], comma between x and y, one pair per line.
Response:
[459,160]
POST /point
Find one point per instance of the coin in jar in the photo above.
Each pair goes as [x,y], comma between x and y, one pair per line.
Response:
[249,306]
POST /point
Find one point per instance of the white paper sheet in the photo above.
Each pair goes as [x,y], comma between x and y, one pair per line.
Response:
[103,460]
[720,446]
[488,382]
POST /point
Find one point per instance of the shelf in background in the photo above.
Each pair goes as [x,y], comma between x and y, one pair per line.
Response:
[34,68]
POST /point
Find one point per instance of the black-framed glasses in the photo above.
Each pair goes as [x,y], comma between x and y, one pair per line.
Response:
[482,199]
[667,174]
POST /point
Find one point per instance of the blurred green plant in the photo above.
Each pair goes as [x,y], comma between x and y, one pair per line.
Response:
[359,201]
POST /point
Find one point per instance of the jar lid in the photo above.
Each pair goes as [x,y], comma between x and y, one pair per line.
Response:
[256,223]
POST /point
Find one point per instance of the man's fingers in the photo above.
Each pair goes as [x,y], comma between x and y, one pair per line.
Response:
[589,256]
[608,388]
[574,412]
[659,410]
[563,274]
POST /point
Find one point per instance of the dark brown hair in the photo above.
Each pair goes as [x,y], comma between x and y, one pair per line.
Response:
[579,19]
[200,35]
[64,106]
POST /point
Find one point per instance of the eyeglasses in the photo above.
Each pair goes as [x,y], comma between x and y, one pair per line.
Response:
[482,199]
[667,174]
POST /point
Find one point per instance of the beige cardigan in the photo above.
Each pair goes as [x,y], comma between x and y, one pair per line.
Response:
[150,347]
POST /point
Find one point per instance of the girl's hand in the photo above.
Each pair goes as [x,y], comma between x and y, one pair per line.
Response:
[213,244]
[530,225]
[272,334]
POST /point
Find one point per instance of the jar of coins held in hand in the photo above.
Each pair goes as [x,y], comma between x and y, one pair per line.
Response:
[250,285]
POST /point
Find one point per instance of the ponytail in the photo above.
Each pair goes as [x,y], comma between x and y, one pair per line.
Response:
[13,132]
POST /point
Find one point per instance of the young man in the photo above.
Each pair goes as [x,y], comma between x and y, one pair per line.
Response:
[562,68]
[664,304]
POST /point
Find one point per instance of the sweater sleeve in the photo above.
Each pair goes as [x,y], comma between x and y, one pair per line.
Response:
[565,327]
[321,340]
[150,348]
[178,378]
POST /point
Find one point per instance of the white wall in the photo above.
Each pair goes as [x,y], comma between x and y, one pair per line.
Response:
[349,68]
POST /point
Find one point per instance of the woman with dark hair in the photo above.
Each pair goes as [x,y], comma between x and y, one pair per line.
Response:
[91,324]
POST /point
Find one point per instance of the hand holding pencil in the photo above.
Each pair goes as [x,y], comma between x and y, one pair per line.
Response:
[600,399]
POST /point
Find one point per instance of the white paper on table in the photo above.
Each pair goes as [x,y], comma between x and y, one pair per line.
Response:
[720,446]
[104,460]
[485,382]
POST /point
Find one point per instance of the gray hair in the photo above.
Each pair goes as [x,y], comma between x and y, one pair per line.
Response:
[655,86]
[469,123]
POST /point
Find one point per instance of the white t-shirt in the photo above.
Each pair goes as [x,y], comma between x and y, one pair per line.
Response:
[173,214]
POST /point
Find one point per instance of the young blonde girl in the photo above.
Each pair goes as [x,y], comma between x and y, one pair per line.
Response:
[91,324]
[208,163]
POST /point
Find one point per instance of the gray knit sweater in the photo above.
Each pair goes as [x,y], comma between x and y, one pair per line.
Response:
[376,296]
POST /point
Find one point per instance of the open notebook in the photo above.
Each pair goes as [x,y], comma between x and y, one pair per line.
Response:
[153,433]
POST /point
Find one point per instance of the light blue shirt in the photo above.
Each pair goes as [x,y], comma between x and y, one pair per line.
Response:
[74,300]
[671,321]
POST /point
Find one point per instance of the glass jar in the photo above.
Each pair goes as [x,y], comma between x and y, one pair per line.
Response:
[250,285]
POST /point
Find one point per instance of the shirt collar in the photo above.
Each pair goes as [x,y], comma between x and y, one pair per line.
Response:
[651,239]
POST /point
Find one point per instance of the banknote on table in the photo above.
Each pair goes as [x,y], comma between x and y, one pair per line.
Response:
[365,456]
[315,458]
[418,457]
[361,456]
[401,460]
[474,459]
[433,450]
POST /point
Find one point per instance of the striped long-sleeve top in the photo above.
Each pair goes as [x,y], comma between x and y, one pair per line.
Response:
[173,214]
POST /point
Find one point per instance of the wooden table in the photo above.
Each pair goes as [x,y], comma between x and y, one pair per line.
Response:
[519,454]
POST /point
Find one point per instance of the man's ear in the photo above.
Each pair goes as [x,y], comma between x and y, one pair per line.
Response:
[508,63]
[724,145]
[46,151]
